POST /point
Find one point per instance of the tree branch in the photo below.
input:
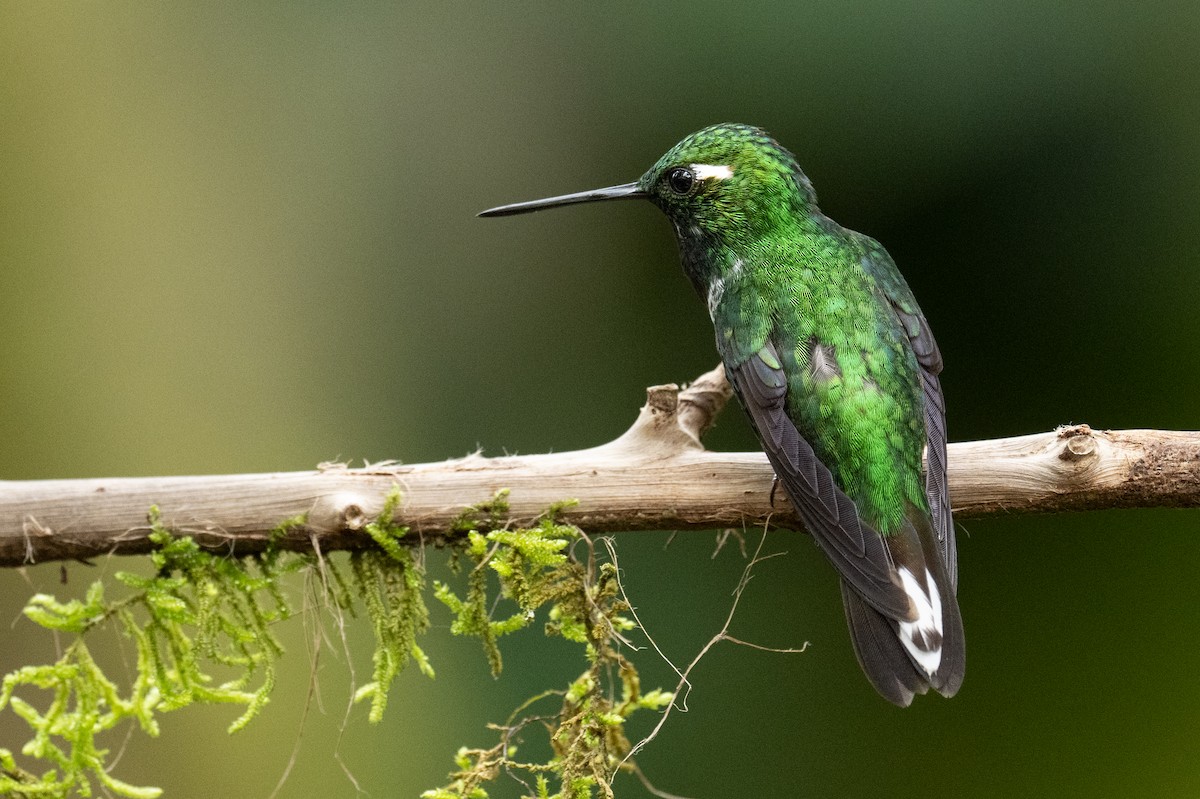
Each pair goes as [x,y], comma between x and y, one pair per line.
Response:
[656,476]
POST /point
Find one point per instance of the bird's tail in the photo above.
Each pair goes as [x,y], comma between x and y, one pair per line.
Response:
[906,656]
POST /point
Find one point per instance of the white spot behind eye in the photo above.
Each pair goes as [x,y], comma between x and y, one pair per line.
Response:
[714,171]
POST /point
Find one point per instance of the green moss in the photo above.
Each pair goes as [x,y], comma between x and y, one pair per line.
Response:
[201,612]
[391,585]
[585,606]
[529,563]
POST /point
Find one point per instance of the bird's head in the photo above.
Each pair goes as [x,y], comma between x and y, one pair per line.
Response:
[724,183]
[728,182]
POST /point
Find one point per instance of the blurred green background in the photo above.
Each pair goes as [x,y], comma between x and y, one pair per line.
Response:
[237,237]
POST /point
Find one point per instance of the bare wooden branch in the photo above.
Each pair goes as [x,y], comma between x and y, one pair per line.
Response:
[656,476]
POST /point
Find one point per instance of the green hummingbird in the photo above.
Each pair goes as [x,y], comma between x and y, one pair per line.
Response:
[834,363]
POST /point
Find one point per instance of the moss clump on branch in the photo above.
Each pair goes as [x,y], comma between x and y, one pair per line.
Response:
[391,585]
[586,606]
[196,612]
[202,612]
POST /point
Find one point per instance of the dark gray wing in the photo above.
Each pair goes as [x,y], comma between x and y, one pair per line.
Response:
[856,550]
[937,489]
[920,338]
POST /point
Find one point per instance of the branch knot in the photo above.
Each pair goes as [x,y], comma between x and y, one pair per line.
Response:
[1080,442]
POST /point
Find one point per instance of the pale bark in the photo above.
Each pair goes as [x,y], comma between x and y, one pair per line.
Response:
[656,476]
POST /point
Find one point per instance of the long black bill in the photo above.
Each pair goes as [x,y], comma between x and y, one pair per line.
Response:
[624,191]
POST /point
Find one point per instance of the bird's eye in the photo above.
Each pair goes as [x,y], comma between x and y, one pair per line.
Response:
[681,180]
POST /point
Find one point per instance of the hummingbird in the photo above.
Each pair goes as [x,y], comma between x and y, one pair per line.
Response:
[836,367]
